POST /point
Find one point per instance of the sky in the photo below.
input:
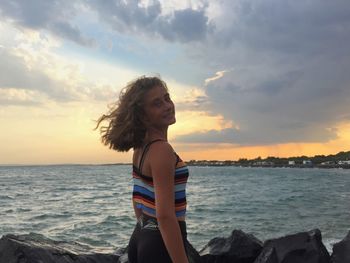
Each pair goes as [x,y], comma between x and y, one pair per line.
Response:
[249,78]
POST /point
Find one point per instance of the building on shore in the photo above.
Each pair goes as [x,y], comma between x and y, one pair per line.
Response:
[344,162]
[328,163]
[307,162]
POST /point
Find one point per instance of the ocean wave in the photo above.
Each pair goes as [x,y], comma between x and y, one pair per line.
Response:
[6,197]
[50,216]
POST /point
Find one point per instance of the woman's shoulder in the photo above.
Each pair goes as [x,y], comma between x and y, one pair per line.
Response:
[161,147]
[162,151]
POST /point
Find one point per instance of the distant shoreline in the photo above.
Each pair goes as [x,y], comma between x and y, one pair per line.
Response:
[339,160]
[272,166]
[198,164]
[63,164]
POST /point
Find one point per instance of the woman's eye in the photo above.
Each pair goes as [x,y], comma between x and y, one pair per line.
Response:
[157,103]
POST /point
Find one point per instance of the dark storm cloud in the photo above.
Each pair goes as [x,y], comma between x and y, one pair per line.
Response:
[250,138]
[297,106]
[290,64]
[289,27]
[128,16]
[123,16]
[186,25]
[42,14]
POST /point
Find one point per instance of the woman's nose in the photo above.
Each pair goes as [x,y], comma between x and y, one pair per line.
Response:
[168,105]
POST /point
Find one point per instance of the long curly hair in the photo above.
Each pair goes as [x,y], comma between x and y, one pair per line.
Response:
[125,129]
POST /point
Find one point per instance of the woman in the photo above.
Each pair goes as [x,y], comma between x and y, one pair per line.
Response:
[140,121]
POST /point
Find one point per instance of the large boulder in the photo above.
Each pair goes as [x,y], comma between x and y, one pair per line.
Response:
[341,251]
[35,248]
[237,248]
[304,247]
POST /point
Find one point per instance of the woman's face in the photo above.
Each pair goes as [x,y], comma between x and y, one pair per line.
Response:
[159,108]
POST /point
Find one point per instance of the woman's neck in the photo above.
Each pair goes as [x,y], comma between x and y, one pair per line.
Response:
[154,134]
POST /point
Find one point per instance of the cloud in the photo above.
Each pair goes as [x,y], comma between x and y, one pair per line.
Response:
[20,97]
[253,138]
[218,75]
[67,31]
[184,25]
[53,16]
[58,17]
[34,85]
[283,27]
[29,78]
[290,81]
[193,99]
[284,107]
[273,33]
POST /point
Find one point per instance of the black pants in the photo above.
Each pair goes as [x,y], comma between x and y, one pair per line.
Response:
[146,243]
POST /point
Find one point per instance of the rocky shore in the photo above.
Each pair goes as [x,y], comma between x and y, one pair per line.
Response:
[239,247]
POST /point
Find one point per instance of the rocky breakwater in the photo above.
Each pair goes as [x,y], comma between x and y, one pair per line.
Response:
[239,247]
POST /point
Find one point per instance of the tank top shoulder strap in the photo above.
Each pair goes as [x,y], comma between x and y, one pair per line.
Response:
[177,158]
[145,150]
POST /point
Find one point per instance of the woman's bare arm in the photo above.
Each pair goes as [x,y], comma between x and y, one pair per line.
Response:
[162,164]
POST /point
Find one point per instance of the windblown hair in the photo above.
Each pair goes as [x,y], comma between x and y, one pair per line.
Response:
[125,128]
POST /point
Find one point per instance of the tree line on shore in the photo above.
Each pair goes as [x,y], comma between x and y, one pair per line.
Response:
[341,159]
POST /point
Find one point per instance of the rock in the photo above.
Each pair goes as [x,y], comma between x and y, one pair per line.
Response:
[341,251]
[238,248]
[192,254]
[304,247]
[35,248]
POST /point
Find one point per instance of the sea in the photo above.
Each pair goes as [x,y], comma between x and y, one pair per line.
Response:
[91,204]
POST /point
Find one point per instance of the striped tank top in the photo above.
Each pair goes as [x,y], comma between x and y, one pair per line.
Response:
[143,190]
